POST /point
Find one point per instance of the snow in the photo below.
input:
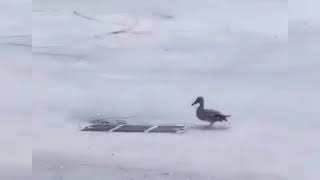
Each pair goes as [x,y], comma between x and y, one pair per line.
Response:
[148,60]
[15,76]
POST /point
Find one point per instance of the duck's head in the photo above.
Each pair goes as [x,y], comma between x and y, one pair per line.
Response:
[198,100]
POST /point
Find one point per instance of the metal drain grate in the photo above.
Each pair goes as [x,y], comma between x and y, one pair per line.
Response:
[132,128]
[135,128]
[167,129]
[100,127]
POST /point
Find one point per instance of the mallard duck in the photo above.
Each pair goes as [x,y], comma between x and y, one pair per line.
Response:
[209,115]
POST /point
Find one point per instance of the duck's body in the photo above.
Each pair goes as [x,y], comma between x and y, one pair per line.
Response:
[209,115]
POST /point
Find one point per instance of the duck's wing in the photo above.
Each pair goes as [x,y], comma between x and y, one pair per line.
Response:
[214,113]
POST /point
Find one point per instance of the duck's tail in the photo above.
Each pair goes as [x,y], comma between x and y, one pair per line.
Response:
[223,117]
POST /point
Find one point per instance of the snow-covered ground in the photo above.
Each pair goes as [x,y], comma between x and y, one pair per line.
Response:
[148,60]
[15,79]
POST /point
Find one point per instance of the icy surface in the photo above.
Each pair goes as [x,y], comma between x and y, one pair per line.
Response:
[146,61]
[15,79]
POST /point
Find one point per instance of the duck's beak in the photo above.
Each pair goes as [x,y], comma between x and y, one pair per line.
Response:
[194,103]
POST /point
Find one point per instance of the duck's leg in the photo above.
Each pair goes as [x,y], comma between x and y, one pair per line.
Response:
[211,124]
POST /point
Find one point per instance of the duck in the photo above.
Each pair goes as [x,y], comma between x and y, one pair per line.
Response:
[209,115]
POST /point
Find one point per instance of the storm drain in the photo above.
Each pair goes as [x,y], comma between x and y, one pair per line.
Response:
[127,128]
[167,129]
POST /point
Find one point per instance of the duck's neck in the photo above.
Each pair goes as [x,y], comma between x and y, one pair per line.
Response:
[201,105]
